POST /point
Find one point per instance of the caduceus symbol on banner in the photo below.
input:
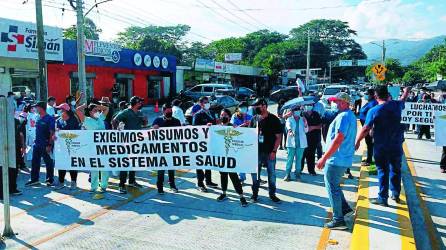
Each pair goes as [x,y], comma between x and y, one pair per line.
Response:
[68,140]
[228,136]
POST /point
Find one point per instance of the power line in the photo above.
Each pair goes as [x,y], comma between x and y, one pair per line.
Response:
[217,13]
[232,14]
[248,15]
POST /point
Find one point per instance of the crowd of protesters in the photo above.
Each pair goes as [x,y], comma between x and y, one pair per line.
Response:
[300,131]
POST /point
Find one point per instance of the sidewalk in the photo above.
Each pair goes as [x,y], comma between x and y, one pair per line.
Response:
[423,158]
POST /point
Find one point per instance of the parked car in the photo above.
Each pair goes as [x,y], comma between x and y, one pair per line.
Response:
[218,103]
[207,89]
[287,93]
[243,93]
[332,90]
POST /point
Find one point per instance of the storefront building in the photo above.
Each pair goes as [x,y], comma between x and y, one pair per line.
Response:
[18,55]
[210,71]
[145,74]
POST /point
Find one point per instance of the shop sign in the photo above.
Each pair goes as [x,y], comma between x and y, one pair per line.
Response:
[147,61]
[204,65]
[164,63]
[19,40]
[156,62]
[233,57]
[137,59]
[109,51]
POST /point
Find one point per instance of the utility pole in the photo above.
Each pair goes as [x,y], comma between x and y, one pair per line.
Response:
[42,91]
[81,75]
[383,57]
[330,70]
[307,75]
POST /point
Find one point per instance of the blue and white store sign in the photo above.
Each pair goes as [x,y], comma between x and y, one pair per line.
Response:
[109,51]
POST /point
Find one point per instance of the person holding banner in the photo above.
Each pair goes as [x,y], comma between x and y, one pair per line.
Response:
[204,117]
[224,121]
[425,129]
[167,120]
[388,137]
[241,119]
[133,119]
[67,121]
[43,146]
[93,118]
[269,135]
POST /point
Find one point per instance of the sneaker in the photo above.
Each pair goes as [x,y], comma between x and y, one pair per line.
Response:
[16,192]
[161,192]
[262,182]
[336,225]
[73,185]
[202,189]
[222,197]
[174,190]
[32,183]
[287,178]
[243,202]
[211,184]
[101,190]
[254,199]
[122,190]
[347,212]
[443,170]
[275,199]
[378,201]
[59,186]
[396,198]
[135,185]
[50,183]
[350,176]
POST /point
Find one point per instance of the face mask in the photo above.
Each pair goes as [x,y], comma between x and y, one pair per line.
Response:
[308,108]
[96,115]
[225,119]
[258,110]
[243,110]
[366,97]
[207,106]
[297,113]
[168,115]
[73,103]
[334,106]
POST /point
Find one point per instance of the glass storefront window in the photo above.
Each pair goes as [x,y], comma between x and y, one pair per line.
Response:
[24,84]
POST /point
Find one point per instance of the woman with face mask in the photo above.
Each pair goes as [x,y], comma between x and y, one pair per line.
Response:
[313,137]
[67,121]
[93,119]
[297,127]
[241,119]
[225,121]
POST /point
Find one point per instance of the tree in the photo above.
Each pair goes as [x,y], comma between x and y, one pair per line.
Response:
[193,51]
[163,39]
[91,31]
[395,71]
[218,49]
[334,34]
[256,41]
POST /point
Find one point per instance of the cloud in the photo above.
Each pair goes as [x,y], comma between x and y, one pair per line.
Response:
[394,19]
[443,18]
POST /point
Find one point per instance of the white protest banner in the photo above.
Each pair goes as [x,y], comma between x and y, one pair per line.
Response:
[220,148]
[440,129]
[421,113]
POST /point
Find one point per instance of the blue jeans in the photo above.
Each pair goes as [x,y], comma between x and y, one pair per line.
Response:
[388,165]
[38,153]
[271,168]
[332,178]
[294,154]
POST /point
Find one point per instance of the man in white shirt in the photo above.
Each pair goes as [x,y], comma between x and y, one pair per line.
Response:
[177,112]
[50,110]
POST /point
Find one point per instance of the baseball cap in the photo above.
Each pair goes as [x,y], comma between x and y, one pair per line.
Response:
[259,101]
[341,96]
[39,104]
[64,106]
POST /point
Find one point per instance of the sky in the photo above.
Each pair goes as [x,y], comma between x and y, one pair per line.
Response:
[215,19]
